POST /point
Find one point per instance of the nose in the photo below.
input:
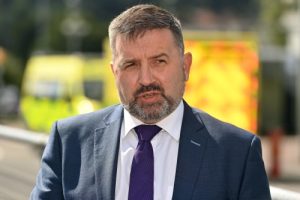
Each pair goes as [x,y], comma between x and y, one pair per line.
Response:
[145,75]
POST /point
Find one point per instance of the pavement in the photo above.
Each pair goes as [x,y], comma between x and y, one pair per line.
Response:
[286,173]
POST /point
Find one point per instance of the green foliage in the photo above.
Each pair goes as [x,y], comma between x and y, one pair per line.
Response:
[17,36]
[12,70]
[17,27]
[270,15]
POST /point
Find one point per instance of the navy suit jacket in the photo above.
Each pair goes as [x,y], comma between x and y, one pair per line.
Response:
[216,160]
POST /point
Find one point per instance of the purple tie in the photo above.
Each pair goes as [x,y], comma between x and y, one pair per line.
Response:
[142,169]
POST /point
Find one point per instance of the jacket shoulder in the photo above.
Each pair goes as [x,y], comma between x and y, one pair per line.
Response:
[90,121]
[220,129]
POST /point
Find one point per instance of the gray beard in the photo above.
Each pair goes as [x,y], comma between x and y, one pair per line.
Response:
[152,113]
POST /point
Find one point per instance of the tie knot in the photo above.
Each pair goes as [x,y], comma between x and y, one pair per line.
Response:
[146,132]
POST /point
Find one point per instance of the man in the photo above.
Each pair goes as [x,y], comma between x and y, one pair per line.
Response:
[105,155]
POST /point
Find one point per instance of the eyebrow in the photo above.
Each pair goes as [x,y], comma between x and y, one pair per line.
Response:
[132,60]
[123,62]
[159,55]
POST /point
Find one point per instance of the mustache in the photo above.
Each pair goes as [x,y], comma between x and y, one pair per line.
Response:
[147,88]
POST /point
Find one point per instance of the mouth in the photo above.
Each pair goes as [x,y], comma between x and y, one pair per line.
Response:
[149,95]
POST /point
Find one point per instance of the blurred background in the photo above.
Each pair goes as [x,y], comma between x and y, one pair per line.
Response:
[54,63]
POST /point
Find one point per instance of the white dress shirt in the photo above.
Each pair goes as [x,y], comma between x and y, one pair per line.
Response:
[165,148]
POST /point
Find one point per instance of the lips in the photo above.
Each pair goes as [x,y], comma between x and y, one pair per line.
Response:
[148,94]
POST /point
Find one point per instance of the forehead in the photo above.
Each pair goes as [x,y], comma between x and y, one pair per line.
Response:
[150,40]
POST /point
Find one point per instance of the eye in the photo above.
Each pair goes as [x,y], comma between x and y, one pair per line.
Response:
[160,61]
[128,65]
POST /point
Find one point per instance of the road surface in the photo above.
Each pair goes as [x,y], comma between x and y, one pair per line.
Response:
[19,164]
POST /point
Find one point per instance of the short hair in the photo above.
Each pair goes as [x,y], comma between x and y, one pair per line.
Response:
[138,19]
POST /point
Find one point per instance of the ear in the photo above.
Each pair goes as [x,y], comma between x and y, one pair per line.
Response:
[112,68]
[187,64]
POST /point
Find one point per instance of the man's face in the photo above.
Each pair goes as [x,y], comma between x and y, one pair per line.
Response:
[150,73]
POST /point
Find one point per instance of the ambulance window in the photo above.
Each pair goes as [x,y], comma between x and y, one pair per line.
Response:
[49,89]
[94,90]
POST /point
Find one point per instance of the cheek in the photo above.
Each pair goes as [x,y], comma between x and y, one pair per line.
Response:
[174,81]
[177,75]
[125,84]
[168,83]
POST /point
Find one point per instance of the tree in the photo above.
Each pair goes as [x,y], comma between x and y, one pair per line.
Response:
[271,13]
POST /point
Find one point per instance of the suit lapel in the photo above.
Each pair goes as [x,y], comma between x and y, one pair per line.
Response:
[191,149]
[190,154]
[106,147]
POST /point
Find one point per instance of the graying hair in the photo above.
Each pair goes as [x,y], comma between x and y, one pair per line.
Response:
[138,19]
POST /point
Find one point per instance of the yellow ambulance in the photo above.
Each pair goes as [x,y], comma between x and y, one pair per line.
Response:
[58,86]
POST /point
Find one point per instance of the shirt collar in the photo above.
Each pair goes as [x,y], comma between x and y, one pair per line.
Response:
[171,124]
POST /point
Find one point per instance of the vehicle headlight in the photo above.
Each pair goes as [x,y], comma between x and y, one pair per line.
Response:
[85,106]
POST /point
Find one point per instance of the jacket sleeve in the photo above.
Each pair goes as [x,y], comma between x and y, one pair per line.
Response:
[255,183]
[49,179]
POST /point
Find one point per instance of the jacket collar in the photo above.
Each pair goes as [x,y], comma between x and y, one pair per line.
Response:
[106,148]
[192,145]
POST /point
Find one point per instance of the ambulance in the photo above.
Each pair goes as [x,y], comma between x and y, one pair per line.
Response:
[58,86]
